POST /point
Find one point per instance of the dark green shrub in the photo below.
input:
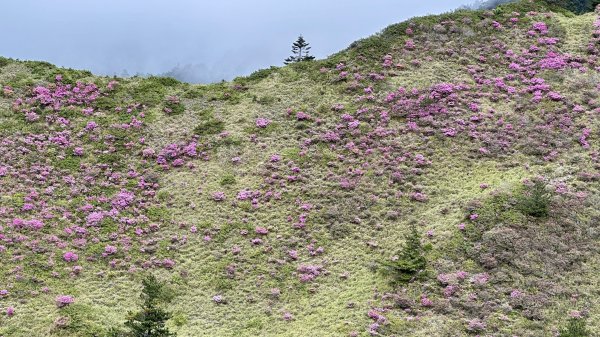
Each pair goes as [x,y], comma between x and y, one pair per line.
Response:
[228,179]
[48,72]
[38,67]
[575,6]
[535,200]
[158,213]
[113,159]
[164,81]
[264,100]
[226,142]
[70,163]
[258,75]
[575,328]
[4,61]
[173,106]
[78,320]
[195,92]
[411,260]
[150,91]
[211,126]
[107,103]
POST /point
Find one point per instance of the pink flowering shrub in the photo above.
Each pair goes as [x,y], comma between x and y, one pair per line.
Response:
[308,273]
[476,325]
[109,250]
[70,256]
[123,199]
[173,106]
[540,27]
[64,300]
[262,123]
[302,116]
[261,230]
[218,196]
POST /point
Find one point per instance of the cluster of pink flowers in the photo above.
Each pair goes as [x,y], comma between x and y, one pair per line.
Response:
[583,139]
[425,301]
[308,273]
[109,250]
[476,325]
[7,91]
[262,122]
[364,147]
[288,316]
[218,196]
[302,116]
[64,300]
[553,61]
[171,102]
[540,27]
[379,320]
[45,222]
[387,61]
[123,199]
[337,107]
[594,45]
[261,230]
[70,256]
[419,196]
[480,279]
[176,154]
[61,95]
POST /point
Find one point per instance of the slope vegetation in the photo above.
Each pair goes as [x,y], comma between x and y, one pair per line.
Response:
[269,204]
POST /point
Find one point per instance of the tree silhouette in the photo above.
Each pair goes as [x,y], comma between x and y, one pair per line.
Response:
[300,50]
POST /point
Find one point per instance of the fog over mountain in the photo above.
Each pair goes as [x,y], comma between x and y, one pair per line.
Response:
[195,41]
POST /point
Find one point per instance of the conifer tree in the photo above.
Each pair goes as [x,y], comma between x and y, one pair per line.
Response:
[150,321]
[411,260]
[536,200]
[300,50]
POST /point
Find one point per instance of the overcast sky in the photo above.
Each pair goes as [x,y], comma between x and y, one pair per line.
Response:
[209,40]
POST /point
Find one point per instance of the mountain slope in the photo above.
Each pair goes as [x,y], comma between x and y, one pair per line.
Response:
[268,203]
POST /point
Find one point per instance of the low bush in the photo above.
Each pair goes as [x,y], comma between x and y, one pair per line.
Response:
[575,328]
[210,126]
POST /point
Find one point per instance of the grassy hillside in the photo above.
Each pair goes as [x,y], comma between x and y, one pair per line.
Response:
[270,205]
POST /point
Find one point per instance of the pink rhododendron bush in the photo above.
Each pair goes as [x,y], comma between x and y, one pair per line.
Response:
[440,178]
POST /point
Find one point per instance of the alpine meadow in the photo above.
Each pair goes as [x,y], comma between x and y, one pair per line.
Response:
[439,178]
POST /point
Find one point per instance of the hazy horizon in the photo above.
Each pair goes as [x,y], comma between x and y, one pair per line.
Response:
[204,41]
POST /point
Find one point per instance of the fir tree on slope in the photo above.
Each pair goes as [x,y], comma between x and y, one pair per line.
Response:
[411,261]
[150,321]
[300,49]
